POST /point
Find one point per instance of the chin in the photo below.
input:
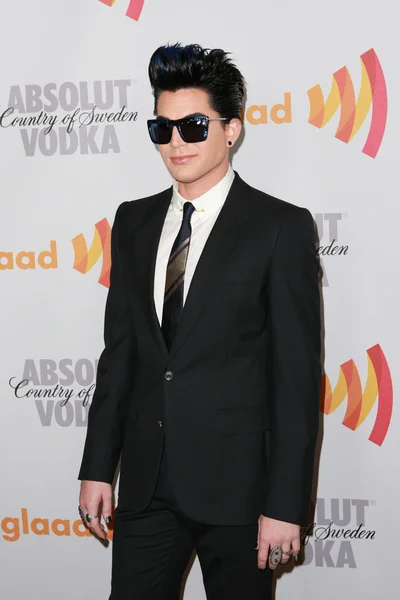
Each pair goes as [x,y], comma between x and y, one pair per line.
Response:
[183,174]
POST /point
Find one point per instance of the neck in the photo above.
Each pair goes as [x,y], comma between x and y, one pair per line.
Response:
[195,189]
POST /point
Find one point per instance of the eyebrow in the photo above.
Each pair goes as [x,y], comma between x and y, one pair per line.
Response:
[195,114]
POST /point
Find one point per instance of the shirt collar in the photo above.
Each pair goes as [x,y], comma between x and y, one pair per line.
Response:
[211,201]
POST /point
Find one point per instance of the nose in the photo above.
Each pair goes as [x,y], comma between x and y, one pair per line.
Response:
[176,140]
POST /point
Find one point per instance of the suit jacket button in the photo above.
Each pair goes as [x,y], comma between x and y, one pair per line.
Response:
[168,375]
[160,423]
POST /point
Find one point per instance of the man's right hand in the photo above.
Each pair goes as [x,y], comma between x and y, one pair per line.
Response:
[91,495]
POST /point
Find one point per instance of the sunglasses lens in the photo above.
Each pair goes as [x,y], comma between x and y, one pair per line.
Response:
[194,130]
[160,132]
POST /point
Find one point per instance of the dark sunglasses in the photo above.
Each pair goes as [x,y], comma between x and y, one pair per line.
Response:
[191,129]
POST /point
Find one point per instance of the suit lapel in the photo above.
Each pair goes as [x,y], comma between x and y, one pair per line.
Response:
[146,239]
[218,249]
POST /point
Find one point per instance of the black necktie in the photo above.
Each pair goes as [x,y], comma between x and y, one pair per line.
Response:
[173,295]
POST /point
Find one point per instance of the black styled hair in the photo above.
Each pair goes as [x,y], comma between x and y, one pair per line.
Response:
[175,67]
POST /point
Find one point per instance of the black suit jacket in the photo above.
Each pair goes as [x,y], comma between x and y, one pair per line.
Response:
[237,396]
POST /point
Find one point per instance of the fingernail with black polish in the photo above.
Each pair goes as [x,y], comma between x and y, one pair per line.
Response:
[108,520]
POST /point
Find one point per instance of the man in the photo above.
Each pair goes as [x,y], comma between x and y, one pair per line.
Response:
[210,377]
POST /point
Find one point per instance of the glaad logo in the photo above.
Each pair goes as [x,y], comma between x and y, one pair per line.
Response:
[359,403]
[87,125]
[101,246]
[328,223]
[61,390]
[134,7]
[331,540]
[28,260]
[354,112]
[12,527]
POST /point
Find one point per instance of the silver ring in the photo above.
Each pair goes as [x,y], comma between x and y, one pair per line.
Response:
[289,553]
[90,517]
[275,555]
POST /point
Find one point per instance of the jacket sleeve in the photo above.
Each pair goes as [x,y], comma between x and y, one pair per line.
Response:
[114,377]
[295,327]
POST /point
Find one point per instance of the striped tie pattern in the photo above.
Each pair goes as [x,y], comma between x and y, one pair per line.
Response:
[173,294]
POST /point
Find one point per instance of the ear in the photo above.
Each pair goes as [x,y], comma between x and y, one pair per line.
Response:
[232,131]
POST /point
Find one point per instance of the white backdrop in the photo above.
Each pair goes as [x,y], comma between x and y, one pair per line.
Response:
[59,59]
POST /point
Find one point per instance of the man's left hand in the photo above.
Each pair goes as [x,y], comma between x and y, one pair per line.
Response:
[276,533]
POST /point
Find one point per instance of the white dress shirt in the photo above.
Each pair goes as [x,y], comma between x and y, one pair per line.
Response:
[202,221]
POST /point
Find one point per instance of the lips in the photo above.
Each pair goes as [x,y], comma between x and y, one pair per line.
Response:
[181,160]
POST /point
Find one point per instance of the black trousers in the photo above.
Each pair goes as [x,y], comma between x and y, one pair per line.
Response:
[151,551]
